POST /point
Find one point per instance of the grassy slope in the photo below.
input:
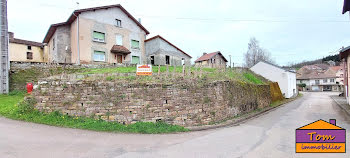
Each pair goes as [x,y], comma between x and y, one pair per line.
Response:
[24,111]
[209,73]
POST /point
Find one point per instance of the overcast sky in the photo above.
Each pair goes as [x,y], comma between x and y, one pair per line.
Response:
[292,30]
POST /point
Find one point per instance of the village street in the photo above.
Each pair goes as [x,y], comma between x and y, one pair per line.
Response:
[269,135]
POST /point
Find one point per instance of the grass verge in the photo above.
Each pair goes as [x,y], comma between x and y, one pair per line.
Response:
[13,106]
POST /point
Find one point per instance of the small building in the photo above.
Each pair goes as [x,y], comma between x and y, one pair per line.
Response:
[160,51]
[25,51]
[98,35]
[211,60]
[286,79]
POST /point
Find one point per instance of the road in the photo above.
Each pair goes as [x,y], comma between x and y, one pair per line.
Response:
[269,135]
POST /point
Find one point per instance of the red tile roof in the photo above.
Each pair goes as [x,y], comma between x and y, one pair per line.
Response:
[71,19]
[25,42]
[120,49]
[158,36]
[209,56]
[336,68]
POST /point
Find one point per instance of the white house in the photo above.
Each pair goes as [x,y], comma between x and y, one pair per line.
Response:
[285,78]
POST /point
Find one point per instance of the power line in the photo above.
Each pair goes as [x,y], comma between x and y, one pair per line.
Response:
[245,20]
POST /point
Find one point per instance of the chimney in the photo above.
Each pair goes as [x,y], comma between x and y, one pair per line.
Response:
[333,122]
[11,35]
[204,53]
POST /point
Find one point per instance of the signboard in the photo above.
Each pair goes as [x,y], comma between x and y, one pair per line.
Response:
[320,137]
[144,70]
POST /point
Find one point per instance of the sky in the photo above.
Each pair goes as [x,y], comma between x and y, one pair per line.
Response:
[292,31]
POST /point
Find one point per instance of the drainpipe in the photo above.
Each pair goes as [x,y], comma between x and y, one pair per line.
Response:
[78,45]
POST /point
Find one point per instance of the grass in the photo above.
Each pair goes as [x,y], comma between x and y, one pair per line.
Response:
[208,74]
[14,107]
[133,70]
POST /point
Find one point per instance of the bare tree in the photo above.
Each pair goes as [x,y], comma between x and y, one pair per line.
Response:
[256,54]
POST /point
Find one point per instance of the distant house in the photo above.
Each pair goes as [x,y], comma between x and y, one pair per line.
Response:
[25,51]
[211,60]
[106,34]
[286,79]
[160,51]
[318,78]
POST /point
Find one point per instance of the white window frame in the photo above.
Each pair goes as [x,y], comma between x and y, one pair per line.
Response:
[118,22]
[99,58]
[98,39]
[135,47]
[121,39]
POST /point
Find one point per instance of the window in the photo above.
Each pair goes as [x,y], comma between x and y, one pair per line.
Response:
[98,36]
[317,81]
[332,80]
[119,40]
[135,60]
[135,44]
[29,47]
[53,44]
[99,56]
[118,23]
[325,81]
[30,55]
[167,60]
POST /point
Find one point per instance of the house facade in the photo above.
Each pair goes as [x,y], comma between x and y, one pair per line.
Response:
[211,60]
[25,51]
[107,34]
[316,78]
[286,79]
[160,51]
[345,57]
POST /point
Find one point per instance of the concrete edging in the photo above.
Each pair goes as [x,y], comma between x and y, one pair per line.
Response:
[346,109]
[236,121]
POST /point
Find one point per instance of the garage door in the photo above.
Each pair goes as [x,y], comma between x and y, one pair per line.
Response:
[315,88]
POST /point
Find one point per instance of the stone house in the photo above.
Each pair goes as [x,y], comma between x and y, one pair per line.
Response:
[25,51]
[106,34]
[211,60]
[286,78]
[160,51]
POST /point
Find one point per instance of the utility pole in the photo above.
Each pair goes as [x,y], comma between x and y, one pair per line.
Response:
[230,60]
[4,57]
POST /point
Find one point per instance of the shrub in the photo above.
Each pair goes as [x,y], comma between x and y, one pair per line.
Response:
[27,105]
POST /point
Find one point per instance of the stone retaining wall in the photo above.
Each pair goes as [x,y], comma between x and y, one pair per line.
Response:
[186,103]
[22,73]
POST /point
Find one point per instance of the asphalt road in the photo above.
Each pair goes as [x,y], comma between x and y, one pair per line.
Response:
[269,135]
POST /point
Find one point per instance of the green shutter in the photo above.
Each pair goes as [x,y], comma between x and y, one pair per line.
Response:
[134,44]
[135,60]
[99,35]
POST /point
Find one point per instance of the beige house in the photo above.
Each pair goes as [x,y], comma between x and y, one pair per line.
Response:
[211,60]
[25,51]
[107,34]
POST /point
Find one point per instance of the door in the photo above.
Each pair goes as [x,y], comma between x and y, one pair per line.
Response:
[152,60]
[120,59]
[135,60]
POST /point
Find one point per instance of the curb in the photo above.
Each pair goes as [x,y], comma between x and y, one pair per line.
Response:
[346,109]
[237,121]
